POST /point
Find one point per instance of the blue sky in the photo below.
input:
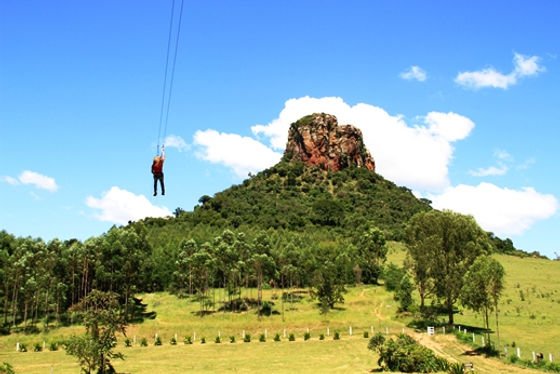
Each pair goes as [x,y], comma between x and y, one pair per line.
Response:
[457,100]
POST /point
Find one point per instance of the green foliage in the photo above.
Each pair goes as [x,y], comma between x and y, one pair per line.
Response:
[187,340]
[37,347]
[218,340]
[203,340]
[456,368]
[277,337]
[376,341]
[366,334]
[102,318]
[407,356]
[173,341]
[321,336]
[127,342]
[306,336]
[232,339]
[262,338]
[336,335]
[6,368]
[441,248]
[143,342]
[53,346]
[247,338]
[291,337]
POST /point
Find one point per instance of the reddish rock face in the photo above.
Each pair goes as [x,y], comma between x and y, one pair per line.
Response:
[318,140]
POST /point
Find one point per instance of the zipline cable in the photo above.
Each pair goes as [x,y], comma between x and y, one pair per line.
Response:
[166,95]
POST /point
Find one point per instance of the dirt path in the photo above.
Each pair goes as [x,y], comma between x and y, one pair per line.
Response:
[448,347]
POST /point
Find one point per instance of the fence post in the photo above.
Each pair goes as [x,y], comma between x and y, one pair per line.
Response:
[328,331]
[550,357]
[350,330]
[534,356]
[386,330]
[371,328]
[518,352]
[17,347]
[473,338]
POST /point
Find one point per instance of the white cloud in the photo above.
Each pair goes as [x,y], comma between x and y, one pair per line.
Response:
[524,66]
[120,206]
[417,156]
[503,211]
[174,141]
[414,73]
[10,180]
[37,180]
[489,171]
[242,154]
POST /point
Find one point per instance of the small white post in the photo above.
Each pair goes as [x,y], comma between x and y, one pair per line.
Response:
[194,336]
[403,330]
[17,347]
[473,338]
[243,334]
[44,345]
[550,357]
[534,356]
[518,352]
[175,336]
[219,334]
[466,332]
[505,350]
[265,334]
[350,331]
[371,328]
[284,333]
[328,332]
[443,329]
[134,339]
[386,330]
[459,327]
[308,330]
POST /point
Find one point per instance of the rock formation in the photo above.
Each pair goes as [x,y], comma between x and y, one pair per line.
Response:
[318,140]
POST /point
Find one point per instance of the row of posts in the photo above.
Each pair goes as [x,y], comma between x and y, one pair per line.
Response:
[536,356]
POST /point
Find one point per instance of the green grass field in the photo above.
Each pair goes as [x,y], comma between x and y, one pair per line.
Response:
[530,313]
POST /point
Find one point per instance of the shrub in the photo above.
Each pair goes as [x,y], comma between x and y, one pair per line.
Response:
[456,368]
[53,346]
[143,342]
[366,334]
[277,337]
[6,368]
[306,336]
[336,335]
[203,340]
[127,343]
[262,338]
[232,339]
[22,347]
[322,337]
[292,338]
[187,340]
[407,356]
[247,338]
[157,340]
[173,341]
[218,340]
[376,341]
[37,347]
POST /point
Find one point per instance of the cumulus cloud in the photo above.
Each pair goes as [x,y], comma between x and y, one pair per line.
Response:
[524,66]
[34,179]
[174,141]
[416,155]
[240,153]
[120,206]
[503,211]
[414,73]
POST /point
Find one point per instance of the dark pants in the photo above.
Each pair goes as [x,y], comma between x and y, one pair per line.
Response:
[159,177]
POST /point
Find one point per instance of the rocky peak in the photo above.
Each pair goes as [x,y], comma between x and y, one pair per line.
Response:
[318,140]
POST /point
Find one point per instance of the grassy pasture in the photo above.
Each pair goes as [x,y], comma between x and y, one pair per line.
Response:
[529,306]
[365,307]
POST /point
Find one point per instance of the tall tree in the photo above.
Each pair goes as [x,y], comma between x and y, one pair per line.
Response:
[372,254]
[451,241]
[482,288]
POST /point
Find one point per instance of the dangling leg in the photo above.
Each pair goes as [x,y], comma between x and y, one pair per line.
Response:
[155,185]
[162,184]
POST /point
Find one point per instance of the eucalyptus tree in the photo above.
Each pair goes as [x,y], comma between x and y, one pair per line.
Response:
[482,288]
[443,245]
[371,254]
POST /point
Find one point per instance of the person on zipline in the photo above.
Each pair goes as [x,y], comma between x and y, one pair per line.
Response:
[157,171]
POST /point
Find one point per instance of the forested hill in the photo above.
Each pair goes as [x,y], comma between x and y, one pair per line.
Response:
[296,197]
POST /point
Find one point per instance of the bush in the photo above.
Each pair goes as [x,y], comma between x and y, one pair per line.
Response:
[322,337]
[37,347]
[456,368]
[143,342]
[22,347]
[376,341]
[247,338]
[173,341]
[407,356]
[127,342]
[292,338]
[336,335]
[203,340]
[187,340]
[277,337]
[262,338]
[157,340]
[218,340]
[6,368]
[232,339]
[366,334]
[306,336]
[53,346]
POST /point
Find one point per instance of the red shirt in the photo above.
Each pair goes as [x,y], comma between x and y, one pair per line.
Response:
[157,166]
